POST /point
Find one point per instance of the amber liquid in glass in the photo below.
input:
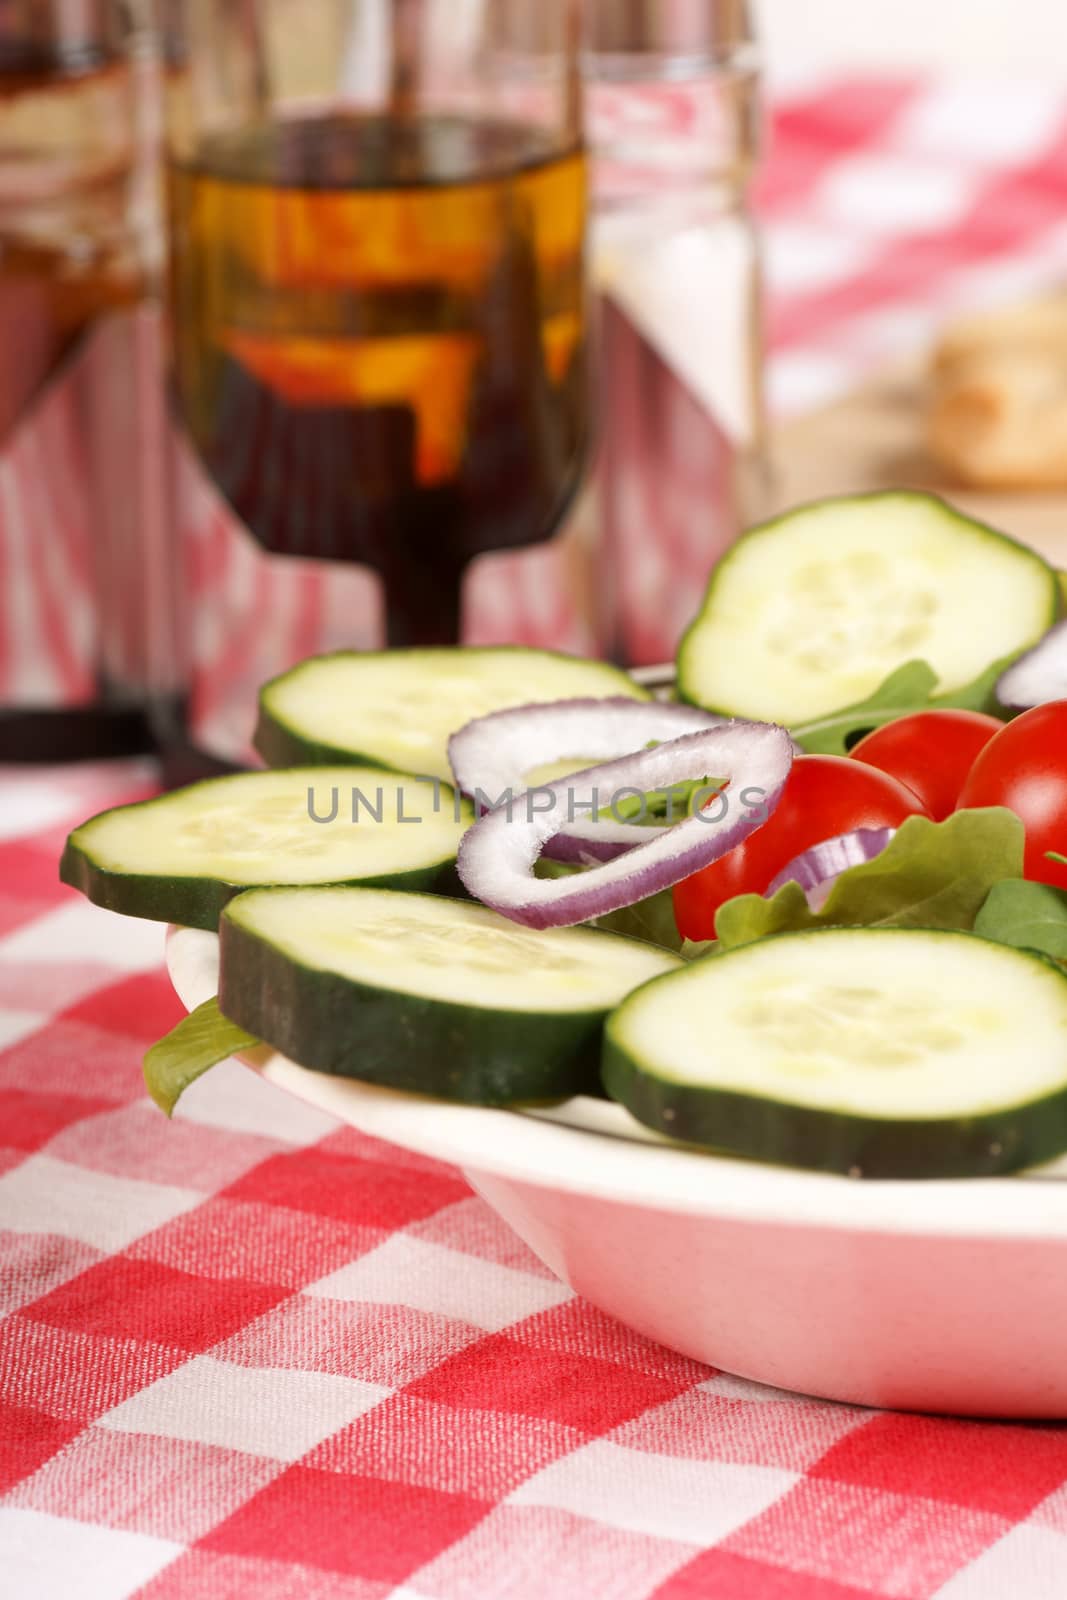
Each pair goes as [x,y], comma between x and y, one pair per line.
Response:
[379,342]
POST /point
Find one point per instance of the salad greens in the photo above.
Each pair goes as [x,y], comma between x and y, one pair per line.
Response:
[661,807]
[930,875]
[907,690]
[651,920]
[1030,916]
[199,1041]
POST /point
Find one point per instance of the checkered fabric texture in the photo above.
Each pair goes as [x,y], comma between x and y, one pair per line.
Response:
[251,1353]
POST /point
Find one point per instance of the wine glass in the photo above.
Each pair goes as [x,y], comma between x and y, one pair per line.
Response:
[377,317]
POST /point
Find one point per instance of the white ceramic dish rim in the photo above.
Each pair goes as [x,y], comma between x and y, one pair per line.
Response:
[609,1157]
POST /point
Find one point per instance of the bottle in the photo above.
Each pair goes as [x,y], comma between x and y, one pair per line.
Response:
[673,119]
[84,600]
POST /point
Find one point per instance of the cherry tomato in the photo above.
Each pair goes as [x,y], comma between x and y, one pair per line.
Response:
[931,751]
[823,796]
[1025,768]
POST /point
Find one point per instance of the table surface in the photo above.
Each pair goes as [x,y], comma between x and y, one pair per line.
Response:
[871,438]
[251,1352]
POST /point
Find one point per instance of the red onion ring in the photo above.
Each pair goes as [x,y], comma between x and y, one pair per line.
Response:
[816,869]
[490,756]
[497,855]
[1037,676]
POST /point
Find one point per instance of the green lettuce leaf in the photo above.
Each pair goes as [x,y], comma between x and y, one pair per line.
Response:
[651,920]
[910,688]
[199,1041]
[907,689]
[662,808]
[980,693]
[1030,916]
[930,875]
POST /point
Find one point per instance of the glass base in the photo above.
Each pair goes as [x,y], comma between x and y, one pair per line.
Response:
[74,733]
[47,735]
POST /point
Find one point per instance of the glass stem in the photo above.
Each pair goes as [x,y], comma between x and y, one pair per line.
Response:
[424,606]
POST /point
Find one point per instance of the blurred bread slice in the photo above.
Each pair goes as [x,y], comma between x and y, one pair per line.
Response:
[997,413]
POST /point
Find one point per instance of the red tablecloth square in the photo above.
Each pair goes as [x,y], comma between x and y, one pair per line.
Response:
[30,1438]
[575,1328]
[998,1468]
[376,1195]
[30,1119]
[364,1526]
[721,1572]
[124,1298]
[580,1391]
[135,1007]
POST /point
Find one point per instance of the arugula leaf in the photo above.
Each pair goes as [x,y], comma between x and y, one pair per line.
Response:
[910,688]
[1054,855]
[930,875]
[199,1041]
[651,920]
[980,693]
[1030,916]
[907,689]
[693,949]
[662,807]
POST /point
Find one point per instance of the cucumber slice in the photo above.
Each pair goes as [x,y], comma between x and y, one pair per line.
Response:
[443,997]
[181,856]
[893,1052]
[812,611]
[397,708]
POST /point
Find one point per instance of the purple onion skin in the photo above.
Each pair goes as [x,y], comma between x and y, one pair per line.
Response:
[1039,675]
[497,854]
[817,868]
[492,752]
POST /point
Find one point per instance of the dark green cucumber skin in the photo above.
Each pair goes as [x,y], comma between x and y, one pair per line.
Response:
[689,692]
[463,1053]
[282,745]
[732,1124]
[198,902]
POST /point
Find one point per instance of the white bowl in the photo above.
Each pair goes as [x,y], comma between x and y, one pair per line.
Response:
[935,1296]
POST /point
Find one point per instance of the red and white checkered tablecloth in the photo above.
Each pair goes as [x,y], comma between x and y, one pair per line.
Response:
[251,1353]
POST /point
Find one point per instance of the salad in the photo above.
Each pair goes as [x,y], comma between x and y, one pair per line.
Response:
[812,910]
